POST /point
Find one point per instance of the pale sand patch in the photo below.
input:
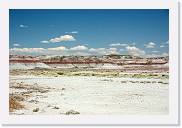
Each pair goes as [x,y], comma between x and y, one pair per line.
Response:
[90,95]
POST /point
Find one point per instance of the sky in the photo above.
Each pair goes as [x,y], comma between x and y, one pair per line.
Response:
[138,32]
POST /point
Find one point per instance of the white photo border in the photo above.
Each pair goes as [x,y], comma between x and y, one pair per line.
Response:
[171,119]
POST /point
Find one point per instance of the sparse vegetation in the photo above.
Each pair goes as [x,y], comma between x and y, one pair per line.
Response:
[93,74]
[96,73]
[60,73]
[72,112]
[16,99]
[63,89]
[14,102]
[55,107]
[34,93]
[36,110]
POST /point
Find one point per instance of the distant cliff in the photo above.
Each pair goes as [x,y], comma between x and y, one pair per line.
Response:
[110,61]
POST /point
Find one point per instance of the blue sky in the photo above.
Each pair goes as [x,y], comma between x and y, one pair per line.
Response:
[140,32]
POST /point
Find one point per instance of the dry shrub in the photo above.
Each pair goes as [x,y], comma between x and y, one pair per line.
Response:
[72,112]
[14,102]
[17,85]
[16,97]
[36,110]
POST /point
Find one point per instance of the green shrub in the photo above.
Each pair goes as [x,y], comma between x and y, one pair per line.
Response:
[93,74]
[60,73]
[36,110]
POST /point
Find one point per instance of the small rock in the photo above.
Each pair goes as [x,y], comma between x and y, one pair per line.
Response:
[55,107]
[72,112]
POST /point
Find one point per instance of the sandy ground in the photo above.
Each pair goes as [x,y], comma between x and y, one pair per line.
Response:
[90,95]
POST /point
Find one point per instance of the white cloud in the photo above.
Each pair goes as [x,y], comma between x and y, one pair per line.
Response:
[23,26]
[80,47]
[124,45]
[157,55]
[74,32]
[118,44]
[112,51]
[63,38]
[81,53]
[104,51]
[155,51]
[56,50]
[96,49]
[99,50]
[164,43]
[135,51]
[16,45]
[150,45]
[82,50]
[162,46]
[61,48]
[44,41]
[29,50]
[55,40]
[38,51]
[133,43]
[132,48]
[165,54]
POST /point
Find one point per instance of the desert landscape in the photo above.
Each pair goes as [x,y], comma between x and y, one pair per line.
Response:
[89,61]
[109,85]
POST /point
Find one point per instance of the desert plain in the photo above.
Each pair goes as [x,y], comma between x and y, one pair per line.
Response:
[89,92]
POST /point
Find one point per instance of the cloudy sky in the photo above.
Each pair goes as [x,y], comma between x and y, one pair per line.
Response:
[141,33]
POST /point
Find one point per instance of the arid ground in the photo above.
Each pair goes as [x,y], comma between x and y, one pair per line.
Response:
[88,92]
